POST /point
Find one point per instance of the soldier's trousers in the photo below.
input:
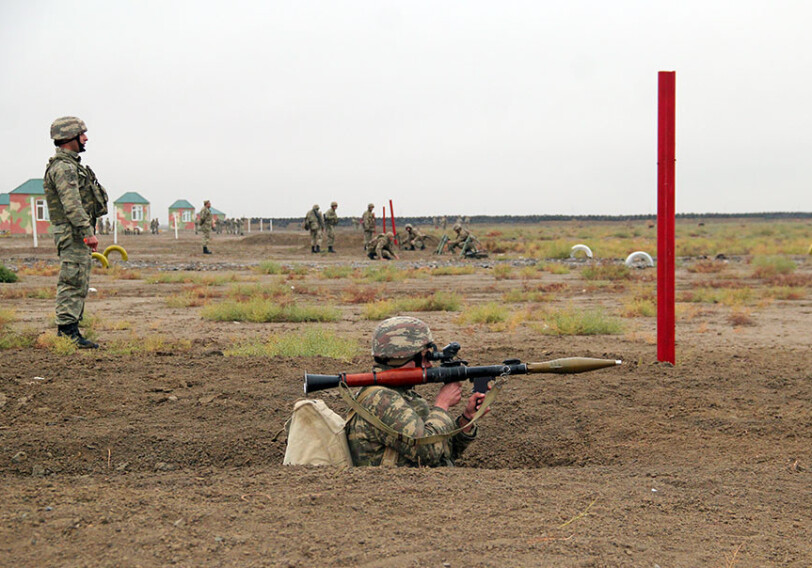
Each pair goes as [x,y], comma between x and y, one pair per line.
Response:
[331,235]
[315,237]
[74,275]
[206,236]
[368,236]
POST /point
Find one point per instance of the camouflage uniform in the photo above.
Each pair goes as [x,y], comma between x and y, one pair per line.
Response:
[368,224]
[75,199]
[403,409]
[459,241]
[314,222]
[382,247]
[205,226]
[414,238]
[330,222]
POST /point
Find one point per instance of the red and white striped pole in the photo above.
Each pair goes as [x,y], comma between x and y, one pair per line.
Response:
[665,216]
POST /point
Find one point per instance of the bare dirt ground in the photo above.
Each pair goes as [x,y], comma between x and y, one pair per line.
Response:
[171,458]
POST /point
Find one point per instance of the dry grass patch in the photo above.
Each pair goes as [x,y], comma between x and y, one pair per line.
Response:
[151,343]
[13,293]
[192,278]
[707,266]
[451,270]
[356,294]
[40,268]
[739,317]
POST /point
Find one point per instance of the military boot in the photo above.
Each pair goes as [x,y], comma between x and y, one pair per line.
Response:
[313,248]
[206,250]
[71,330]
[318,248]
[330,249]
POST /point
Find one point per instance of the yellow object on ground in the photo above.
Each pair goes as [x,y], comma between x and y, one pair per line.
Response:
[101,258]
[121,251]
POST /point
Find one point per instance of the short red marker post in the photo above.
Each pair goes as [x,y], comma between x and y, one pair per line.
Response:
[666,138]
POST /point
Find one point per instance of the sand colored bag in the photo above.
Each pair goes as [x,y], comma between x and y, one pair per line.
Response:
[316,436]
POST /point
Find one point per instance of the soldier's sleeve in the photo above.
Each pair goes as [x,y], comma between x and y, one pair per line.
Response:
[395,411]
[66,181]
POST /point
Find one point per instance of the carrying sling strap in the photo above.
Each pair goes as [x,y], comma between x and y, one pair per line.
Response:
[356,408]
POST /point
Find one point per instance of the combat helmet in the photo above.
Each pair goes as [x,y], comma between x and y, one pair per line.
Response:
[400,337]
[371,206]
[67,128]
[457,227]
[408,227]
[334,204]
[316,207]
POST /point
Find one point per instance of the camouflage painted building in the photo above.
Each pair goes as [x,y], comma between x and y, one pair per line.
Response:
[132,212]
[20,221]
[5,216]
[185,213]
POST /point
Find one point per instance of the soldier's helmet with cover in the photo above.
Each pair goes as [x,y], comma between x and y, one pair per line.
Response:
[315,207]
[334,204]
[67,128]
[371,206]
[457,227]
[408,227]
[400,338]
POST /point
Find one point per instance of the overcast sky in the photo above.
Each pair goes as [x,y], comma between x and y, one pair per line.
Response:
[445,107]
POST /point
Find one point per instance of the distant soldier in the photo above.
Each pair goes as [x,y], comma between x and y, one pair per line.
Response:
[414,238]
[197,222]
[368,224]
[206,225]
[107,227]
[444,222]
[75,200]
[314,222]
[382,247]
[100,227]
[330,222]
[464,240]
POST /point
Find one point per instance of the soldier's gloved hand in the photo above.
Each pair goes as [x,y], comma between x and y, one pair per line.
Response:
[92,242]
[449,395]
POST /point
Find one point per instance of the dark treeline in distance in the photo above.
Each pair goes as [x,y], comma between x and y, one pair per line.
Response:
[292,222]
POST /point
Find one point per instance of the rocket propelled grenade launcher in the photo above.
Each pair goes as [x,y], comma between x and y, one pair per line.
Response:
[453,370]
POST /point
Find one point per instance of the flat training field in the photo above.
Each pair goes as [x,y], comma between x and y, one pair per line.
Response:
[163,447]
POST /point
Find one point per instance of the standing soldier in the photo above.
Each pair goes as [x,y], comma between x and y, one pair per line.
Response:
[368,224]
[314,222]
[330,222]
[206,225]
[75,200]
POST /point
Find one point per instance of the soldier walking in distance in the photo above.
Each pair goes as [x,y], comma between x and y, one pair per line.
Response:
[314,222]
[368,224]
[403,342]
[330,222]
[75,200]
[206,225]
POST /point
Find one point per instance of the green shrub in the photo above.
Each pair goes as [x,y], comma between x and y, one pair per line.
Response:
[769,266]
[260,310]
[310,343]
[491,312]
[7,275]
[577,321]
[269,267]
[606,272]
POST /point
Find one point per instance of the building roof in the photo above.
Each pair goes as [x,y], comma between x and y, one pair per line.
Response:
[31,187]
[131,197]
[4,199]
[181,204]
[217,212]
